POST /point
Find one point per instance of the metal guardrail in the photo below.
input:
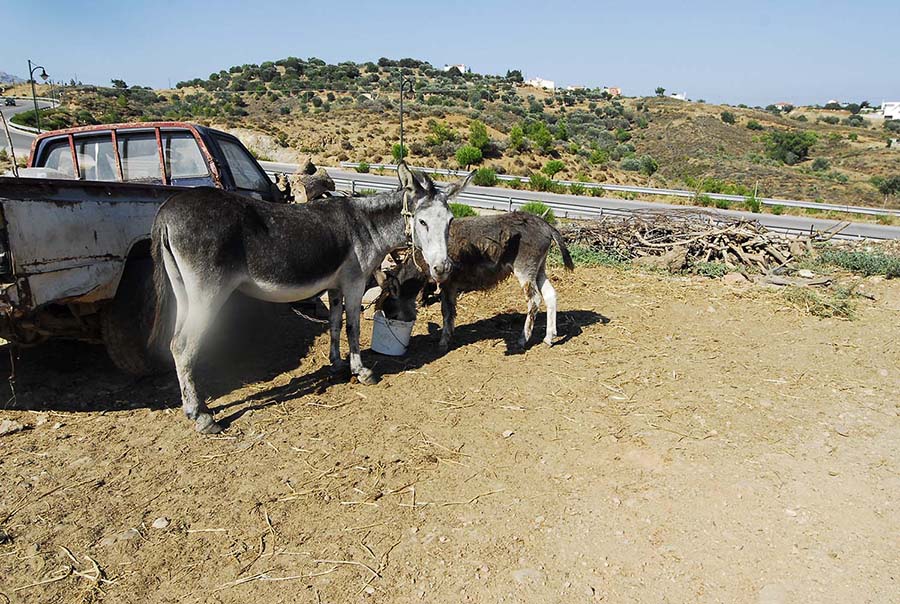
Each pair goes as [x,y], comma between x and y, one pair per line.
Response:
[508,203]
[788,203]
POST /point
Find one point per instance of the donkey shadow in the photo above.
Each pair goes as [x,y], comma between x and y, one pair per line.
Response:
[423,349]
[255,341]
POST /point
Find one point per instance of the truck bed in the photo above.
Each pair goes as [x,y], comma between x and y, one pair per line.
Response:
[69,238]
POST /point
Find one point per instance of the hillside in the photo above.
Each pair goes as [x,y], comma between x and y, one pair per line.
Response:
[350,112]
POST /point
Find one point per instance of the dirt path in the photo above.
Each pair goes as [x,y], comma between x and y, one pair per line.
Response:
[687,442]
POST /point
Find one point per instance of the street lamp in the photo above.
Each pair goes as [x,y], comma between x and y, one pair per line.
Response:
[405,86]
[44,76]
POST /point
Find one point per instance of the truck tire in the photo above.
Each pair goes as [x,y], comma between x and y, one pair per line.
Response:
[126,321]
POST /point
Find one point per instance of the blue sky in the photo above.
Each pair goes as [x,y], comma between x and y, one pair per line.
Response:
[800,51]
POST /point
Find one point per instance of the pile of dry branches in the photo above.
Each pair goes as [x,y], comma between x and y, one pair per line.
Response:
[680,238]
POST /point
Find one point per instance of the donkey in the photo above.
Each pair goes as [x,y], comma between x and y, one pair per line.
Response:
[207,244]
[485,250]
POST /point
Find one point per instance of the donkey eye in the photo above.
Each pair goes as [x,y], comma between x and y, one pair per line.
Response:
[423,223]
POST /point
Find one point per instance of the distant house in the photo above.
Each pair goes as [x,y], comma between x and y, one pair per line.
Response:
[462,67]
[890,110]
[541,83]
[573,88]
[681,96]
[612,91]
[782,105]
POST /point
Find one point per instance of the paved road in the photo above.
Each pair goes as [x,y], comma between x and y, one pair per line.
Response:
[587,207]
[21,140]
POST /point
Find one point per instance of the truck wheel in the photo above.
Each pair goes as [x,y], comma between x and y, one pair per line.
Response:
[126,321]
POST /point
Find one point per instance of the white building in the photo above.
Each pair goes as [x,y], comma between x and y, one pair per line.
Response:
[541,83]
[574,88]
[681,96]
[890,110]
[462,67]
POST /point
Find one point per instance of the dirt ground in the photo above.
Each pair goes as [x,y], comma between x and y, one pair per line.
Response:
[686,441]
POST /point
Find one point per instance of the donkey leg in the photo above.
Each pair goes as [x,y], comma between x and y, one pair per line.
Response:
[549,294]
[185,350]
[336,316]
[528,280]
[448,311]
[353,301]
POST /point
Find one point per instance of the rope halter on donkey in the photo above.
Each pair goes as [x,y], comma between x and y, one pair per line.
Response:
[410,230]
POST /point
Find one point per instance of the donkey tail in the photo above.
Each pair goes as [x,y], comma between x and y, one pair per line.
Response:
[566,256]
[162,288]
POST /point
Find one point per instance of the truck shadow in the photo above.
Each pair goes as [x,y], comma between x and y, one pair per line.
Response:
[423,349]
[255,341]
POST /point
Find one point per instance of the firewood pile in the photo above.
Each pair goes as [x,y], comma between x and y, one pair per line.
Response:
[677,239]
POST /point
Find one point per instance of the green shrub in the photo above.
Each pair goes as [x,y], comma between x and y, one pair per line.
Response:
[863,263]
[440,133]
[819,164]
[754,125]
[728,117]
[778,210]
[553,167]
[539,182]
[399,153]
[830,119]
[704,201]
[599,156]
[363,168]
[632,164]
[577,188]
[723,204]
[597,191]
[478,136]
[468,155]
[622,135]
[713,270]
[485,177]
[584,255]
[461,210]
[516,138]
[753,204]
[789,147]
[648,165]
[539,208]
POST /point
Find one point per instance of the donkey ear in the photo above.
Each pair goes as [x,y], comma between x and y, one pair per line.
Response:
[457,187]
[407,178]
[414,181]
[387,282]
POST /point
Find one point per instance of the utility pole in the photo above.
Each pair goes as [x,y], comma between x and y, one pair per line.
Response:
[405,86]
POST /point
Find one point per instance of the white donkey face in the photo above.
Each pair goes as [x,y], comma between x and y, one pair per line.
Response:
[432,228]
[431,219]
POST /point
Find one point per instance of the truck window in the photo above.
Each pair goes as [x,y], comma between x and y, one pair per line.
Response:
[140,157]
[244,168]
[96,158]
[58,157]
[183,156]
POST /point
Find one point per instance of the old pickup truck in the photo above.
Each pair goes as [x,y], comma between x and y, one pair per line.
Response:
[75,229]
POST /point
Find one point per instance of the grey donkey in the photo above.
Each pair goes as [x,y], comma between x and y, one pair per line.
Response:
[207,244]
[485,250]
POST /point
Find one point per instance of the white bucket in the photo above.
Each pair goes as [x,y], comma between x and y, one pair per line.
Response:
[389,336]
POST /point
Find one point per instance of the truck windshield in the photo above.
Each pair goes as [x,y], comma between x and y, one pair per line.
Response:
[58,156]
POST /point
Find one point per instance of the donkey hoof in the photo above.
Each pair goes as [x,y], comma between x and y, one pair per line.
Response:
[338,367]
[521,343]
[548,341]
[206,425]
[366,376]
[444,346]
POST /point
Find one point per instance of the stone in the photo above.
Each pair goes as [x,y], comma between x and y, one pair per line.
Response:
[126,535]
[160,523]
[507,433]
[10,426]
[806,273]
[734,279]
